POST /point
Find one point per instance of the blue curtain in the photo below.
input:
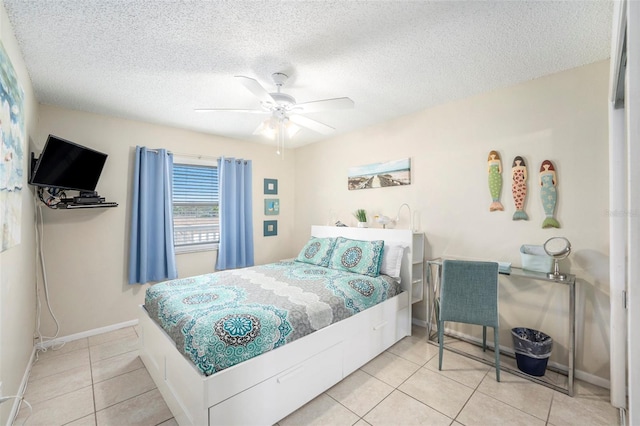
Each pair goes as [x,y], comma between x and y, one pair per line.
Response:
[151,252]
[236,218]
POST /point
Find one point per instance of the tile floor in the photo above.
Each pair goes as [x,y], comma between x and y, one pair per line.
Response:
[101,380]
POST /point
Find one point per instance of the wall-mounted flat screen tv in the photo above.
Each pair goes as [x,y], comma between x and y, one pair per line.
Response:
[67,165]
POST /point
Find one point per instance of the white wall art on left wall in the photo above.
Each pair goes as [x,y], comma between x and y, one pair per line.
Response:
[11,153]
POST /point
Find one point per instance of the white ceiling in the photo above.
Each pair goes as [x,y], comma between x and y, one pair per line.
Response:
[157,60]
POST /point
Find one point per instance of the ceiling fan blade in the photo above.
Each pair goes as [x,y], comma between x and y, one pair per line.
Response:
[256,88]
[314,125]
[250,111]
[259,129]
[324,105]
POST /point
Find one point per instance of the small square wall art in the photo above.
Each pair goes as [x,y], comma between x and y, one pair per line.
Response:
[271,206]
[271,186]
[270,228]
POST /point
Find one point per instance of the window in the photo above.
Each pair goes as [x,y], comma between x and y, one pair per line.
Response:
[196,220]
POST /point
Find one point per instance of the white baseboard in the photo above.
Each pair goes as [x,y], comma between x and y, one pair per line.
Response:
[419,323]
[84,334]
[593,379]
[53,342]
[22,389]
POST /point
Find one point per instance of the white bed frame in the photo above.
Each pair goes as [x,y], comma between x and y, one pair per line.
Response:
[267,388]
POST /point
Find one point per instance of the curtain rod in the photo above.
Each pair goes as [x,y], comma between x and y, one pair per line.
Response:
[198,156]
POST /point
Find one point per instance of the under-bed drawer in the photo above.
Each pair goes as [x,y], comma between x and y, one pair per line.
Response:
[374,332]
[283,393]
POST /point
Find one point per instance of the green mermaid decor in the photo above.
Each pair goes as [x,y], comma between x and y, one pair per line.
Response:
[494,167]
[548,194]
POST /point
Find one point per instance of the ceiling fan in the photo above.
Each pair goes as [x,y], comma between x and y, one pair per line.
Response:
[285,112]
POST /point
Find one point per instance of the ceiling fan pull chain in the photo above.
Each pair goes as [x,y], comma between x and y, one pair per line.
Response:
[280,150]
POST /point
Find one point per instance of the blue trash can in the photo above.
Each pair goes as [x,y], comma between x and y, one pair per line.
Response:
[533,349]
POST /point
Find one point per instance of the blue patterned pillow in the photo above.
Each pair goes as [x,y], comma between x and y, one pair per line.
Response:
[361,257]
[317,251]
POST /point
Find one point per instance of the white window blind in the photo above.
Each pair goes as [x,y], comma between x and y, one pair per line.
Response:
[196,223]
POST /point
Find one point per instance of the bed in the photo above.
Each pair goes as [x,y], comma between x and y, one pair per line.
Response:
[253,384]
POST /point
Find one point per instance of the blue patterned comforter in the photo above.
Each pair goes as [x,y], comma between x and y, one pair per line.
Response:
[221,319]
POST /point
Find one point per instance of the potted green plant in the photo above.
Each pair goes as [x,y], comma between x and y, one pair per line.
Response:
[361,216]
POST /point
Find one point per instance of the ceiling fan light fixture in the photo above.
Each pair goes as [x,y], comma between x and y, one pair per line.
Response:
[268,128]
[270,133]
[271,128]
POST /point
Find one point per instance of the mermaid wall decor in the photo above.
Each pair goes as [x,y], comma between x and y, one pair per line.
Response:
[548,193]
[494,168]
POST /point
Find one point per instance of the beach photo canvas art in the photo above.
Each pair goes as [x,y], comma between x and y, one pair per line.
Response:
[380,175]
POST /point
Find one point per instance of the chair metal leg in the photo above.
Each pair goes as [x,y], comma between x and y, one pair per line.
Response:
[440,343]
[484,338]
[437,314]
[496,350]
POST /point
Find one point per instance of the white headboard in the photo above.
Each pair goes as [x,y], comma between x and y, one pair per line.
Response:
[390,236]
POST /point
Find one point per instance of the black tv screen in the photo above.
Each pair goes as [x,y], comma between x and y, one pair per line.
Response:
[67,165]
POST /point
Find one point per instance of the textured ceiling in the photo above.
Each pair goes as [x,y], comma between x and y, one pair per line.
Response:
[157,61]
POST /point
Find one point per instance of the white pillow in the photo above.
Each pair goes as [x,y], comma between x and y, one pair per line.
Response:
[392,260]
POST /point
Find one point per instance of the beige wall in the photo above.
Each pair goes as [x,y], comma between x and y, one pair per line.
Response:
[562,118]
[17,264]
[87,250]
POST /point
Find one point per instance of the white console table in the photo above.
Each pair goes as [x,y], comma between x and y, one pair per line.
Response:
[434,268]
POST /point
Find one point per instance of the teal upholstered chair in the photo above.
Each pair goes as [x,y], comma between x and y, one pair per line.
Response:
[469,294]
